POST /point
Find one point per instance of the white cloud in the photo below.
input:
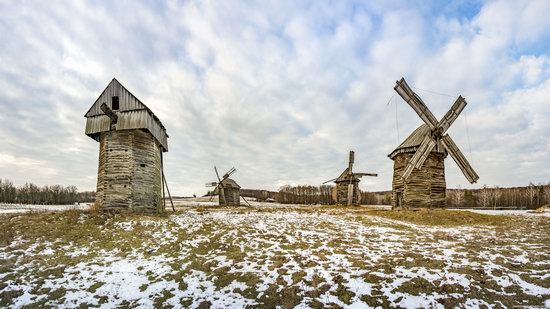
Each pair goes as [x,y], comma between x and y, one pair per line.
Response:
[279,90]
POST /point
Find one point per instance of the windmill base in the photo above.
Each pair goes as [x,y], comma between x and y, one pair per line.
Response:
[341,193]
[232,197]
[129,173]
[425,187]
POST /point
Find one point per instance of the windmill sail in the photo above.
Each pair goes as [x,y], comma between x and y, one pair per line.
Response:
[419,156]
[416,103]
[460,159]
[452,114]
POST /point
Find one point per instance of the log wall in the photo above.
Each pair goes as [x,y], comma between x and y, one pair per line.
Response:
[129,173]
[342,193]
[425,187]
[232,197]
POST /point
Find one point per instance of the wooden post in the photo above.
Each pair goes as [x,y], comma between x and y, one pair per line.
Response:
[162,180]
[168,190]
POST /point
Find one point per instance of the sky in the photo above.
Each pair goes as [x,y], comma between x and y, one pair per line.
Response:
[280,90]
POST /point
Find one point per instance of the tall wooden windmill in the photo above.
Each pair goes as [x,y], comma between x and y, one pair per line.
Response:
[132,141]
[419,170]
[226,188]
[347,191]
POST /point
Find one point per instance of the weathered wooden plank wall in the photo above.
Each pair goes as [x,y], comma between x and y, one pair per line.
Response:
[127,101]
[232,197]
[425,187]
[138,119]
[129,176]
[342,193]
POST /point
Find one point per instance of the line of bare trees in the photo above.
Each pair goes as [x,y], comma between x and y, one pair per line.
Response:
[48,195]
[306,194]
[531,196]
[376,198]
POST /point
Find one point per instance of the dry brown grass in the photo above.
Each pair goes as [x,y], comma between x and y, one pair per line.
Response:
[440,217]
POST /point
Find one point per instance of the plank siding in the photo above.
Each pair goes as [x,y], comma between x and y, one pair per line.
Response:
[342,193]
[232,197]
[132,114]
[129,175]
[127,101]
[425,187]
[138,119]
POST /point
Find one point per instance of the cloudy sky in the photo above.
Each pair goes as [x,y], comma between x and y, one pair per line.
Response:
[282,90]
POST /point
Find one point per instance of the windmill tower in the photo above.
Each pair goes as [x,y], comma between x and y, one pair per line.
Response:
[132,141]
[419,170]
[227,189]
[347,191]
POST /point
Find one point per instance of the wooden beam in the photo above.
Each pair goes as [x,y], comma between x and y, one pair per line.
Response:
[109,113]
[168,190]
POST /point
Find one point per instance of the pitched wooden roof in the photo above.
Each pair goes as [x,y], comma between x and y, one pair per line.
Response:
[132,113]
[230,183]
[413,141]
[345,177]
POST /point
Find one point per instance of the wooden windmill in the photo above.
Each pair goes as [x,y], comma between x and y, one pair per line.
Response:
[132,141]
[347,191]
[226,188]
[419,170]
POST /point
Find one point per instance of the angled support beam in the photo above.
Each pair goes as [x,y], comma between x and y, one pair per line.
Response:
[109,113]
[168,190]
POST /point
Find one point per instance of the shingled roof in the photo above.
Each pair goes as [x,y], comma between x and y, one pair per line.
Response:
[132,113]
[411,143]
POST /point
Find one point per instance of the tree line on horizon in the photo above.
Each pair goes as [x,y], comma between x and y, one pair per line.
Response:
[531,196]
[30,193]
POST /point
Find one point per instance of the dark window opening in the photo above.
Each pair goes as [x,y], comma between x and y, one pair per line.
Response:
[142,165]
[114,103]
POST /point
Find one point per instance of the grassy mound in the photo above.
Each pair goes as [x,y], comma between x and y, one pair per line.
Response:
[440,217]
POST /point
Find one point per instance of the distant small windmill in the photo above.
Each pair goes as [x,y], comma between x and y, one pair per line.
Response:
[227,189]
[347,184]
[419,170]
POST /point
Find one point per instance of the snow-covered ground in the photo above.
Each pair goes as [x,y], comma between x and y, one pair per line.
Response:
[301,257]
[511,212]
[22,208]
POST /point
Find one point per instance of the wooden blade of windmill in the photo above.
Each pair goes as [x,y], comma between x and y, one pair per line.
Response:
[452,114]
[365,174]
[419,156]
[217,175]
[222,195]
[350,193]
[330,180]
[459,158]
[403,89]
[350,163]
[229,173]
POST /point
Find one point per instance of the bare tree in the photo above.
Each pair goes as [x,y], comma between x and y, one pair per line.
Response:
[485,196]
[530,193]
[546,190]
[496,193]
[457,196]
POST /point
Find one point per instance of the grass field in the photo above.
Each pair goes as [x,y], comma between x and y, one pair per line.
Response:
[268,257]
